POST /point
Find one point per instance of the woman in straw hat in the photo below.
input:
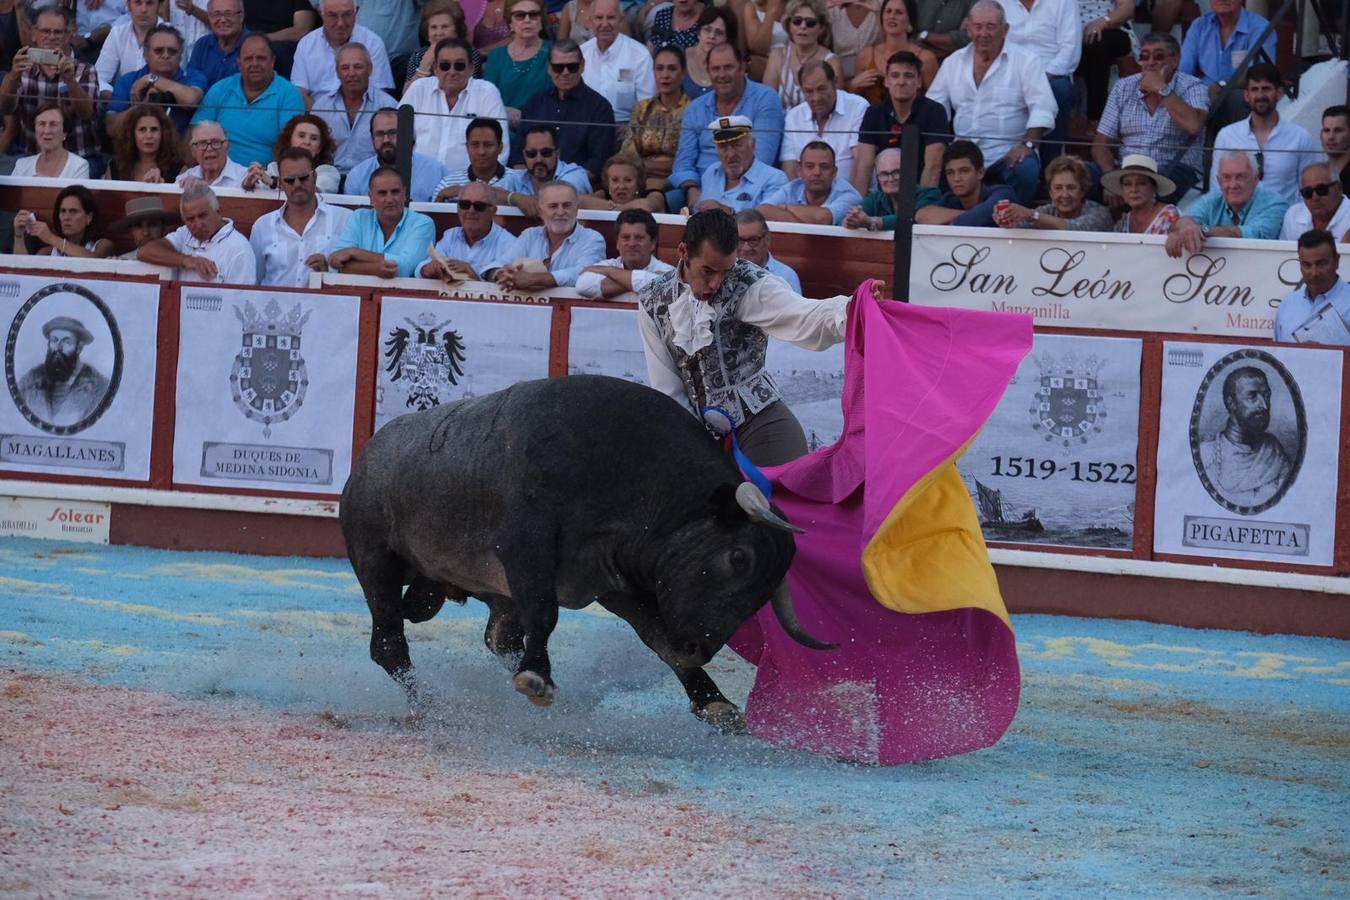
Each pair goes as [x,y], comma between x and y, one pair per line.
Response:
[1138,183]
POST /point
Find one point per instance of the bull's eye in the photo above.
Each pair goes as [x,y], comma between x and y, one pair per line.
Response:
[740,560]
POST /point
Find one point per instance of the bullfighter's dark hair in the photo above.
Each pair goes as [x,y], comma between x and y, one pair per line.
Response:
[713,226]
[639,217]
[484,122]
[963,150]
[1316,237]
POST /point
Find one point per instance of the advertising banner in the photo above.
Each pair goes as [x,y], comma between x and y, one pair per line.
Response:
[80,376]
[436,351]
[1056,462]
[82,521]
[1248,449]
[266,388]
[1125,282]
[607,342]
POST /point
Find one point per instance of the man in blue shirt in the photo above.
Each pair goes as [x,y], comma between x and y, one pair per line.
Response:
[1240,208]
[732,94]
[348,110]
[543,164]
[476,245]
[216,55]
[555,253]
[583,118]
[1319,311]
[969,202]
[254,105]
[1216,43]
[426,172]
[387,240]
[818,197]
[161,80]
[737,180]
[753,246]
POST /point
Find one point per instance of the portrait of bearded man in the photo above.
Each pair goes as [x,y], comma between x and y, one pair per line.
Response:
[1244,462]
[63,389]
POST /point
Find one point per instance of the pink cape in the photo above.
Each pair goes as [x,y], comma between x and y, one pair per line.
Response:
[892,565]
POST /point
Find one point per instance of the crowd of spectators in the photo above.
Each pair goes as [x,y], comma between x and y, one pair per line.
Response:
[773,110]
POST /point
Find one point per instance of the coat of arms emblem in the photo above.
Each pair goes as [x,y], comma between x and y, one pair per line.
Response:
[269,376]
[1068,405]
[424,365]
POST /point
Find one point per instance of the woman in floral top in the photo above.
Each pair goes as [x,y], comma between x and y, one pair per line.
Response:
[1138,183]
[654,128]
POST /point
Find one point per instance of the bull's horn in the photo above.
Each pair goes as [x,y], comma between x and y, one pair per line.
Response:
[749,498]
[787,617]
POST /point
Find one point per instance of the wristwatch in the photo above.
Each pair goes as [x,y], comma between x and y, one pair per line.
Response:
[1035,216]
[923,37]
[1165,91]
[1204,230]
[1030,145]
[152,79]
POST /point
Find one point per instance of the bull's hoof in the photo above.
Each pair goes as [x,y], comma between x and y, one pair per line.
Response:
[534,687]
[725,717]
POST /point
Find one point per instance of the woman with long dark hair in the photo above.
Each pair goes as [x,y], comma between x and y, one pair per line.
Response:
[74,230]
[146,147]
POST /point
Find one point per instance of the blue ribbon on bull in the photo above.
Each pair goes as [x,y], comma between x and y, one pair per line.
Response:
[720,423]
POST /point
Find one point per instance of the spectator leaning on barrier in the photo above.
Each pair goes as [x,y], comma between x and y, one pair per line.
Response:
[877,212]
[28,87]
[74,231]
[163,81]
[207,247]
[123,50]
[427,173]
[818,197]
[542,165]
[1069,209]
[1051,31]
[1139,185]
[754,244]
[1336,143]
[738,180]
[617,66]
[315,68]
[618,278]
[732,95]
[1324,206]
[970,201]
[474,246]
[386,240]
[348,109]
[902,107]
[447,103]
[295,240]
[210,148]
[583,119]
[216,55]
[1281,148]
[1216,44]
[828,115]
[253,105]
[1319,311]
[555,253]
[1241,208]
[145,221]
[1132,120]
[483,139]
[999,98]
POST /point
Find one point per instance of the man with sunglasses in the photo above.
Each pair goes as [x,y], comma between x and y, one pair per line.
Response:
[349,108]
[618,277]
[584,119]
[1241,208]
[447,103]
[315,68]
[542,166]
[295,240]
[476,244]
[1282,148]
[1325,206]
[483,138]
[552,254]
[162,80]
[426,172]
[385,240]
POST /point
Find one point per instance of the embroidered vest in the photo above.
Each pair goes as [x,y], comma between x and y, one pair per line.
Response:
[729,372]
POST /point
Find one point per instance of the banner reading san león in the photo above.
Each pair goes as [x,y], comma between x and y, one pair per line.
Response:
[266,389]
[80,375]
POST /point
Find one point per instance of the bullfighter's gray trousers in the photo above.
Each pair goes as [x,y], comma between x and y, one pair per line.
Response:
[772,436]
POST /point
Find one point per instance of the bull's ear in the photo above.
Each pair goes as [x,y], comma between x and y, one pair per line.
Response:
[725,509]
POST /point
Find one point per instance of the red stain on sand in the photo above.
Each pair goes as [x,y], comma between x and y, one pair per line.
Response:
[111,792]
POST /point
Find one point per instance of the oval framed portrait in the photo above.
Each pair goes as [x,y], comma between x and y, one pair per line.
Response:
[63,358]
[1248,431]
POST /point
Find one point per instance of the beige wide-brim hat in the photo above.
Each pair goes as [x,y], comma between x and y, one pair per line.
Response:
[1138,164]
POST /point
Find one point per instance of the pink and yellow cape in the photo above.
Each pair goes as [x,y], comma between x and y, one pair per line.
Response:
[893,566]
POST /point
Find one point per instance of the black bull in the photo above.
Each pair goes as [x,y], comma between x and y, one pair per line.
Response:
[565,492]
